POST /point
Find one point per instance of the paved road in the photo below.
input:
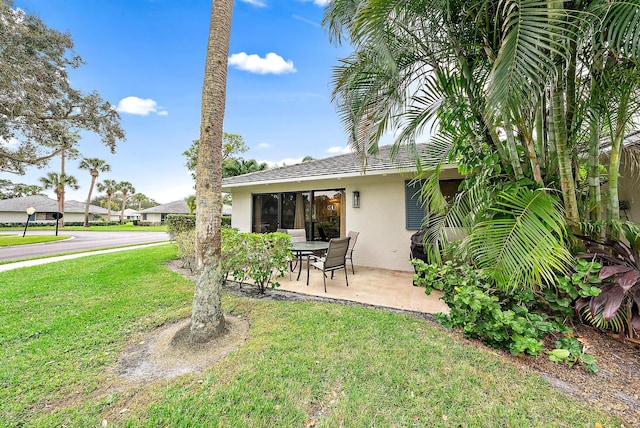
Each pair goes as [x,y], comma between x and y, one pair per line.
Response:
[80,241]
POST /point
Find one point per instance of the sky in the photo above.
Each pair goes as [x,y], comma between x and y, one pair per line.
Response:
[146,57]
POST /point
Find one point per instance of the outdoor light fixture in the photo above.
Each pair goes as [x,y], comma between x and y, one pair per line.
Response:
[30,212]
[356,199]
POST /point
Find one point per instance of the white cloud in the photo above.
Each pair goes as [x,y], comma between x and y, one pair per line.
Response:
[271,63]
[264,146]
[140,106]
[321,2]
[339,150]
[255,3]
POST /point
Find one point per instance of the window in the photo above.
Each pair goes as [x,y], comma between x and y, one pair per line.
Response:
[414,210]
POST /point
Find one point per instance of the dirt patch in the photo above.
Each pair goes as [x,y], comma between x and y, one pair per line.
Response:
[167,353]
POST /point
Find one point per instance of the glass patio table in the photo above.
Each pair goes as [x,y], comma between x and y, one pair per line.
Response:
[300,248]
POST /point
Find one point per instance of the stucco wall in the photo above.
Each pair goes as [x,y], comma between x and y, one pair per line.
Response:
[629,190]
[383,240]
[18,217]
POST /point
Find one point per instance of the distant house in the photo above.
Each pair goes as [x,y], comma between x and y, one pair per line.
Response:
[159,213]
[15,210]
[130,214]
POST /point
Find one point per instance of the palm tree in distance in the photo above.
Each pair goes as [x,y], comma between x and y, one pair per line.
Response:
[95,167]
[232,167]
[125,188]
[58,183]
[109,187]
[191,203]
[139,198]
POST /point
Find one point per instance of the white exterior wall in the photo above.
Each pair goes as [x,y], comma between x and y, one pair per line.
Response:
[153,217]
[19,217]
[383,241]
[13,217]
[629,190]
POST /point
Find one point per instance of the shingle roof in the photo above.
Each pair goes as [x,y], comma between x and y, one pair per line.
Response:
[44,204]
[175,207]
[342,165]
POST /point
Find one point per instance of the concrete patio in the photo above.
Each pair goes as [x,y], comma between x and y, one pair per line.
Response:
[378,287]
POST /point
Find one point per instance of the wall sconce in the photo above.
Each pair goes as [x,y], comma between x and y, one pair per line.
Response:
[356,199]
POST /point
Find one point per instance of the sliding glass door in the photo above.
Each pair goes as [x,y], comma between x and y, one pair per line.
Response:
[319,212]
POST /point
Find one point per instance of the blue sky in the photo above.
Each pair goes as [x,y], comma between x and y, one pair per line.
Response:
[147,58]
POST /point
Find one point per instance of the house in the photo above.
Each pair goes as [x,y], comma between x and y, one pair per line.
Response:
[14,210]
[331,196]
[159,213]
[129,214]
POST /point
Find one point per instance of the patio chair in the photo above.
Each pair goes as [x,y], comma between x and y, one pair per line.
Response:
[352,243]
[334,260]
[297,235]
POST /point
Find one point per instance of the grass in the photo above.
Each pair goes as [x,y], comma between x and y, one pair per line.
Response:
[9,240]
[127,227]
[63,325]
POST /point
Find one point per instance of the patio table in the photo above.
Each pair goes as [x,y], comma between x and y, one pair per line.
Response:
[299,248]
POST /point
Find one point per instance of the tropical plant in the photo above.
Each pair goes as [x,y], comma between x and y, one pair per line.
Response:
[124,187]
[109,187]
[617,306]
[95,167]
[510,90]
[58,183]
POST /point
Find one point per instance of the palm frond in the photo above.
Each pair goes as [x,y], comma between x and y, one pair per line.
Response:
[535,35]
[525,243]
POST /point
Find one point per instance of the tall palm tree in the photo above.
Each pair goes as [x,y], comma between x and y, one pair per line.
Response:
[109,187]
[207,318]
[95,167]
[58,183]
[125,188]
[140,198]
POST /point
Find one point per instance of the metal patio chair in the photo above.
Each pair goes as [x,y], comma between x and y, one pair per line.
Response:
[334,259]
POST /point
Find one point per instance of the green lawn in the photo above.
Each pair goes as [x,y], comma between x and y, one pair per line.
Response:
[8,240]
[62,326]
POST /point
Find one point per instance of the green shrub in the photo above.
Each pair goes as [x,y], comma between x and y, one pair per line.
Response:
[226,221]
[178,223]
[507,320]
[186,243]
[263,257]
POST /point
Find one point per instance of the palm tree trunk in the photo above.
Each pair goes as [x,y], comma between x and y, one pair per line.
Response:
[86,208]
[511,148]
[593,174]
[565,169]
[613,204]
[207,318]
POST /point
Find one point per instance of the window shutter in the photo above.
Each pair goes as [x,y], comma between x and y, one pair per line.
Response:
[413,208]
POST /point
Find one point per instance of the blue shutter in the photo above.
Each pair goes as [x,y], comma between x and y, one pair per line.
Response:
[414,210]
